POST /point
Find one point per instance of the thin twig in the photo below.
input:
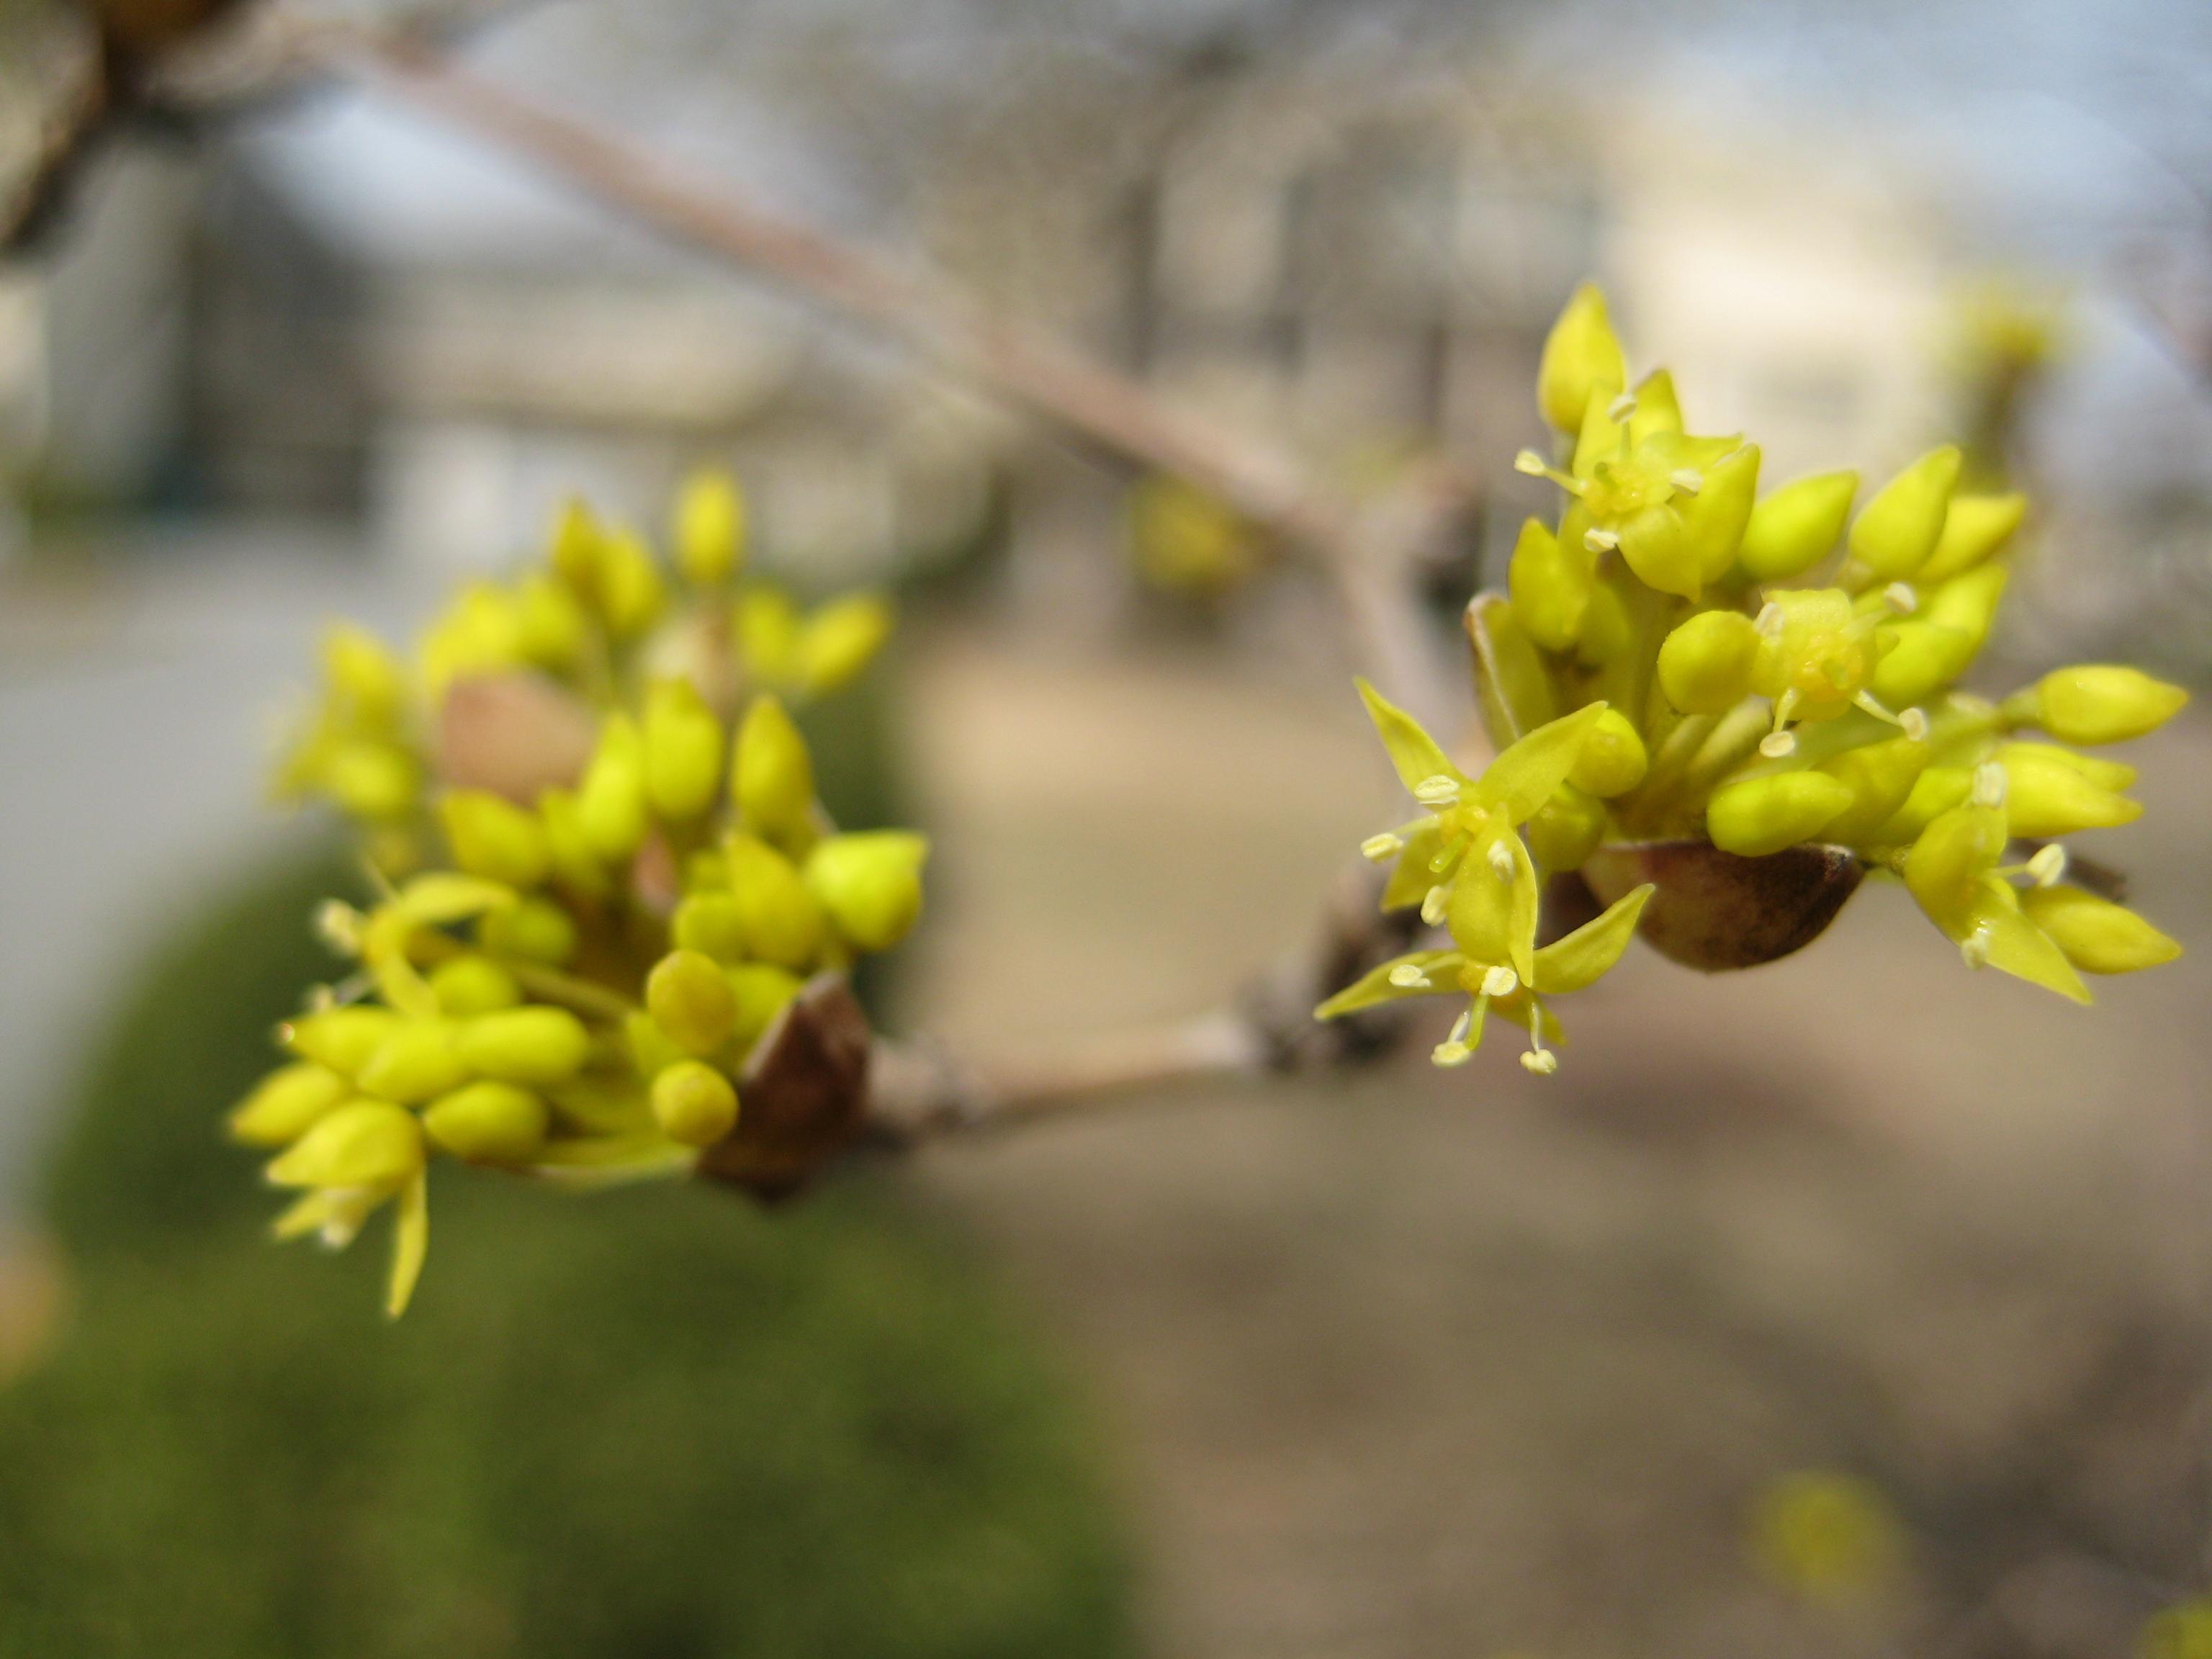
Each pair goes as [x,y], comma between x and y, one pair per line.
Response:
[1367,552]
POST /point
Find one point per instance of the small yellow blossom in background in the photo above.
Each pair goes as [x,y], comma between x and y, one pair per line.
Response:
[2181,1632]
[1188,544]
[1747,698]
[1830,1538]
[605,881]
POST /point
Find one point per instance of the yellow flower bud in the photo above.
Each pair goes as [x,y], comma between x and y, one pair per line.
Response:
[1705,664]
[575,865]
[841,639]
[780,920]
[1880,777]
[2098,702]
[695,1104]
[705,871]
[768,632]
[682,750]
[578,540]
[1935,792]
[1606,631]
[1550,586]
[762,992]
[689,999]
[286,1103]
[709,528]
[630,590]
[492,837]
[1896,531]
[2112,775]
[1975,529]
[1917,661]
[713,923]
[2097,936]
[363,1143]
[534,1045]
[2045,797]
[610,804]
[536,930]
[773,774]
[1968,602]
[1718,515]
[1796,526]
[1761,816]
[416,1062]
[1612,761]
[365,678]
[487,1123]
[375,780]
[551,626]
[473,985]
[870,884]
[1566,829]
[1581,357]
[340,1038]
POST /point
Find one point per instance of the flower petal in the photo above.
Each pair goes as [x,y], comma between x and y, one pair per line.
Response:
[2017,946]
[410,1242]
[1585,956]
[1526,775]
[1412,750]
[1414,873]
[1376,986]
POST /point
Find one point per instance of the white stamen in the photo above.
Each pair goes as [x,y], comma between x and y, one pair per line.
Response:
[1432,905]
[1990,784]
[1530,462]
[1621,408]
[1439,790]
[1450,1054]
[1914,722]
[1500,982]
[1501,860]
[338,925]
[1901,596]
[1462,1025]
[1975,947]
[1541,1061]
[1375,849]
[2047,865]
[1600,541]
[1770,620]
[1407,975]
[1686,479]
[1776,744]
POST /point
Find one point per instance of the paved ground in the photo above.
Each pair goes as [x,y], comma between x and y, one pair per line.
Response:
[1409,1365]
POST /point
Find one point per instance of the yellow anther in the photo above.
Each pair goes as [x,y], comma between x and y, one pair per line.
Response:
[1687,479]
[1501,860]
[1541,1061]
[1914,722]
[1439,790]
[1530,463]
[1974,949]
[1776,745]
[1600,541]
[1450,1054]
[1377,849]
[1771,621]
[1988,784]
[1500,982]
[1901,597]
[1621,408]
[1408,975]
[2048,865]
[1432,905]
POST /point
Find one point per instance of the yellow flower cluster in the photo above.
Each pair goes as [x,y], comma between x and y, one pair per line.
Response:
[1702,665]
[571,959]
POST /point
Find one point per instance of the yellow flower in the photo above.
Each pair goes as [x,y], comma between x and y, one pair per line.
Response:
[1829,1537]
[356,1158]
[1748,677]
